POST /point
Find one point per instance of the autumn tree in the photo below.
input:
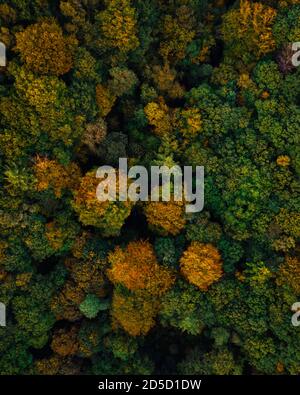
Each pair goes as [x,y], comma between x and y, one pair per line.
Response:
[118,26]
[247,30]
[134,313]
[137,269]
[166,217]
[45,49]
[108,216]
[201,265]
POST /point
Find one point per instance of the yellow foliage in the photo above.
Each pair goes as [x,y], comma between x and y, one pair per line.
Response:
[54,235]
[178,33]
[108,216]
[45,49]
[158,117]
[251,23]
[50,173]
[39,92]
[23,279]
[134,313]
[49,366]
[244,81]
[166,217]
[289,274]
[189,122]
[203,55]
[7,13]
[137,268]
[286,3]
[201,265]
[105,100]
[283,160]
[118,26]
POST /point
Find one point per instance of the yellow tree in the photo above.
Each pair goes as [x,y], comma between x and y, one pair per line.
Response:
[158,116]
[119,26]
[134,313]
[201,265]
[166,217]
[45,49]
[108,216]
[289,274]
[248,29]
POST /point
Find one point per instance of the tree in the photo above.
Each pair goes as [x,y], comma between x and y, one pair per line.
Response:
[45,49]
[118,26]
[289,274]
[64,342]
[180,308]
[108,216]
[137,268]
[134,313]
[247,31]
[52,175]
[201,265]
[166,217]
[91,306]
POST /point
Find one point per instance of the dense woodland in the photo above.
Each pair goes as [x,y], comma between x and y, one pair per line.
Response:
[144,288]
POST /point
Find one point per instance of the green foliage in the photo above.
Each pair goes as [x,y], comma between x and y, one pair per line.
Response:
[181,82]
[91,306]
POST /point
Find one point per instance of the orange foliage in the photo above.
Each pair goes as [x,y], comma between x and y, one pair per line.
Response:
[136,268]
[201,264]
[45,49]
[165,79]
[283,160]
[65,342]
[50,173]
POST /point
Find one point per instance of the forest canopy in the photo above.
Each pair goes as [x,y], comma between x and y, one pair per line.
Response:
[143,287]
